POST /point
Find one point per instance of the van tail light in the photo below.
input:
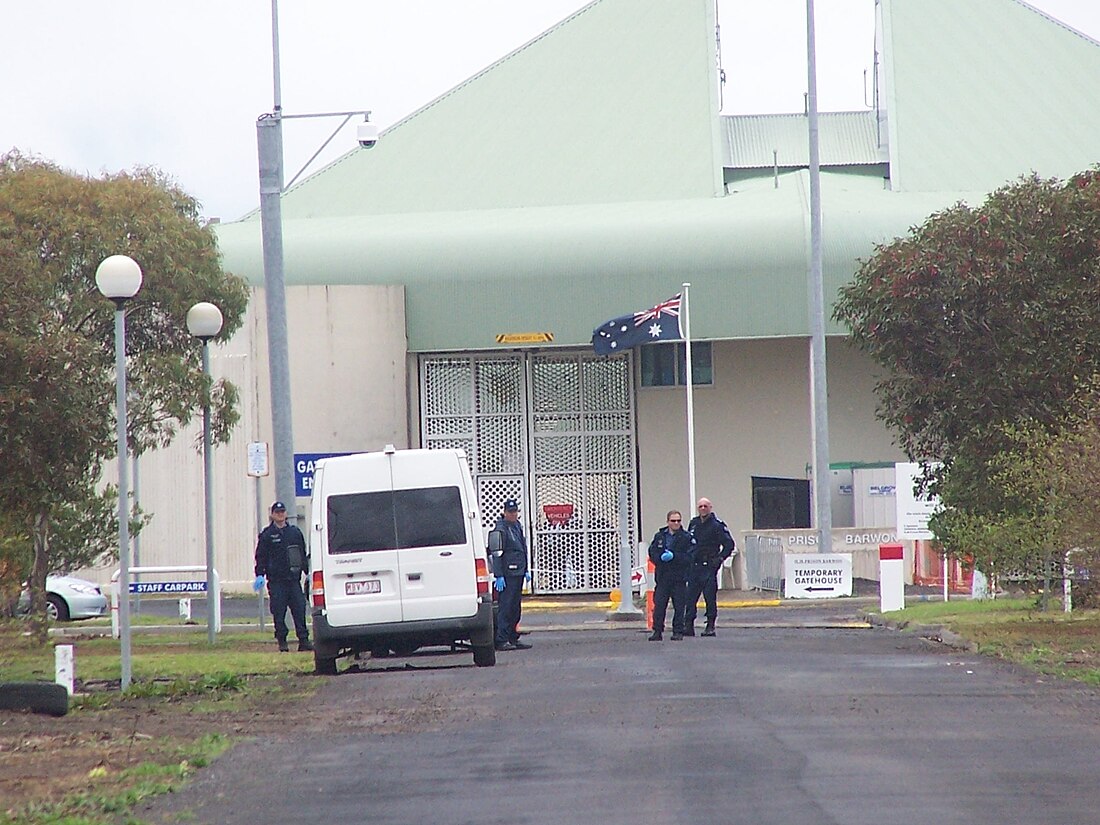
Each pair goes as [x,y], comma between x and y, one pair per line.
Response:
[317,588]
[481,567]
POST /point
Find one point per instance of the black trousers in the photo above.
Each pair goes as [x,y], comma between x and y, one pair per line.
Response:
[509,609]
[286,593]
[673,587]
[704,581]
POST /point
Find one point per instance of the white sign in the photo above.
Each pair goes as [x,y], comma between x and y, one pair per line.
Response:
[817,575]
[257,459]
[912,512]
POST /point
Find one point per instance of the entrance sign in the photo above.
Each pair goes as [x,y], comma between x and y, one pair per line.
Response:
[817,575]
[304,465]
[913,512]
[257,459]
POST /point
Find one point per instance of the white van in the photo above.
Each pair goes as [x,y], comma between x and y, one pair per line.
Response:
[397,556]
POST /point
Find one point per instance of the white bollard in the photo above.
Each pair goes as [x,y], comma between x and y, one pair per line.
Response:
[185,610]
[891,577]
[63,666]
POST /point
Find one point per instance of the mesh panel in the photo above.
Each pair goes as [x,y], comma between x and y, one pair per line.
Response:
[491,493]
[448,387]
[500,444]
[581,436]
[499,387]
[554,385]
[558,452]
[606,383]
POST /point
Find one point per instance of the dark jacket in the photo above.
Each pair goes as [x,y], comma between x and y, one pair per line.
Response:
[680,545]
[280,551]
[512,560]
[713,542]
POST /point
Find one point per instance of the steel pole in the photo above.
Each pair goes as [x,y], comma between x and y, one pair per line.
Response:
[123,492]
[818,388]
[269,134]
[208,490]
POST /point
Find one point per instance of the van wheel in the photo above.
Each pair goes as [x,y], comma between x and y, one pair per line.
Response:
[485,655]
[323,665]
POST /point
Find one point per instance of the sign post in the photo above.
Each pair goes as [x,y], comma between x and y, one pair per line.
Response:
[817,575]
[891,577]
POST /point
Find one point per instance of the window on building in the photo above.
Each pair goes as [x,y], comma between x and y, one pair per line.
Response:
[665,365]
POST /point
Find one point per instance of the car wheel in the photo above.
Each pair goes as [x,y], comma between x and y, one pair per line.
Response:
[56,608]
[485,655]
[324,665]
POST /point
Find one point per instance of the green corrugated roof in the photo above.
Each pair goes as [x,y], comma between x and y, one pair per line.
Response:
[471,275]
[762,141]
[616,103]
[983,91]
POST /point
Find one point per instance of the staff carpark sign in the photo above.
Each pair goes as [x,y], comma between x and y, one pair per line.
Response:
[817,575]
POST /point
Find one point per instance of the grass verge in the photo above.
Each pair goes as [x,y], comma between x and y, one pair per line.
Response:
[1054,643]
[188,702]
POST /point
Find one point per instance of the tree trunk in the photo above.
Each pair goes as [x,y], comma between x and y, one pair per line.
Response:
[41,539]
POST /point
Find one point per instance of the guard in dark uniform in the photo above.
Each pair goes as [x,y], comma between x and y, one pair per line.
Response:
[670,552]
[510,570]
[712,545]
[281,560]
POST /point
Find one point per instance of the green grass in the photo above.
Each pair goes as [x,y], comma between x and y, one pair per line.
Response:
[1054,643]
[152,656]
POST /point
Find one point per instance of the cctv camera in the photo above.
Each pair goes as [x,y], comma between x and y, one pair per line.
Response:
[367,134]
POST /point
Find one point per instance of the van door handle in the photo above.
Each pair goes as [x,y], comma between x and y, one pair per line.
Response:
[446,553]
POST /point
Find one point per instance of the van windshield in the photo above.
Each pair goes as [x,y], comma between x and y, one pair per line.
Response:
[395,520]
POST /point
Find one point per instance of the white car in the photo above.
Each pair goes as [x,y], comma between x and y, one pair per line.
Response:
[68,597]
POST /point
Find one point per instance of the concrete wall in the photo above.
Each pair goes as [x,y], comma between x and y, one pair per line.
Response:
[753,421]
[348,376]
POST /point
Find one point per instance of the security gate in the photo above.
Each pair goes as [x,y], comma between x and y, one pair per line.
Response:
[555,431]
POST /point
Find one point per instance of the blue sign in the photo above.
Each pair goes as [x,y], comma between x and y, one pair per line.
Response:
[304,464]
[168,587]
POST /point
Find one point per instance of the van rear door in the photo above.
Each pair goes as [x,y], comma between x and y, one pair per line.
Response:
[438,579]
[360,561]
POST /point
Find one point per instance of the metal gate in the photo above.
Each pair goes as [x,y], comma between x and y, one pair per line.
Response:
[556,431]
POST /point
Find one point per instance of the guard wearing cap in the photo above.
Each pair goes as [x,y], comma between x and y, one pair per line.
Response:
[510,569]
[280,561]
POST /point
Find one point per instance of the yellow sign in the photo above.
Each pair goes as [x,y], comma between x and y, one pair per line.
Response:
[525,338]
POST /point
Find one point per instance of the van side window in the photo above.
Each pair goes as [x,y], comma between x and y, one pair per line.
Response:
[399,520]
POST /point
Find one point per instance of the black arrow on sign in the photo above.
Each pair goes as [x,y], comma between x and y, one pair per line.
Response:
[811,589]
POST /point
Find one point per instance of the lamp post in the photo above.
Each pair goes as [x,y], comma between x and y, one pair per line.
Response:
[204,321]
[269,142]
[119,278]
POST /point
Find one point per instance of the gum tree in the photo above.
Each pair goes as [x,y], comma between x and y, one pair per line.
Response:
[985,320]
[57,343]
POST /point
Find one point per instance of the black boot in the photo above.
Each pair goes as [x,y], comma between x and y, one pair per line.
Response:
[283,646]
[689,630]
[304,644]
[709,629]
[655,636]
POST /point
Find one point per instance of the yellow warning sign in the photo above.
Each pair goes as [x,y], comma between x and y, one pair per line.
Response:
[525,338]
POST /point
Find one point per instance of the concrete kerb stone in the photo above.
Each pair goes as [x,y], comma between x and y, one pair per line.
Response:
[931,632]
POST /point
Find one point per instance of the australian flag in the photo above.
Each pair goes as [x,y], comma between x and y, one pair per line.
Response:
[662,323]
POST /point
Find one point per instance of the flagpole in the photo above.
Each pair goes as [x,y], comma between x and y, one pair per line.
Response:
[690,395]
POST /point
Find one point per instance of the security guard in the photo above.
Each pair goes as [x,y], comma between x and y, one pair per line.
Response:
[281,560]
[670,552]
[713,545]
[510,569]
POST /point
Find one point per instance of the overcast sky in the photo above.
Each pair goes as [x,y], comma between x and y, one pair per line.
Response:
[104,85]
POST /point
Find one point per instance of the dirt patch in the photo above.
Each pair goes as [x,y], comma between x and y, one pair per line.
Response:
[43,758]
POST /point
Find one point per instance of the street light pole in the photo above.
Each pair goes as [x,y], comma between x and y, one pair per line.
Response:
[204,321]
[119,278]
[269,142]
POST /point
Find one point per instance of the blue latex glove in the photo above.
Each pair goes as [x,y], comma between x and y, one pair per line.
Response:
[666,556]
[259,583]
[499,584]
[527,576]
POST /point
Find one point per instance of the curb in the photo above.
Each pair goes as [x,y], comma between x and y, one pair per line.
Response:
[931,632]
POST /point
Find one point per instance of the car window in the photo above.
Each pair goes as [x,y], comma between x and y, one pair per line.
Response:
[400,520]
